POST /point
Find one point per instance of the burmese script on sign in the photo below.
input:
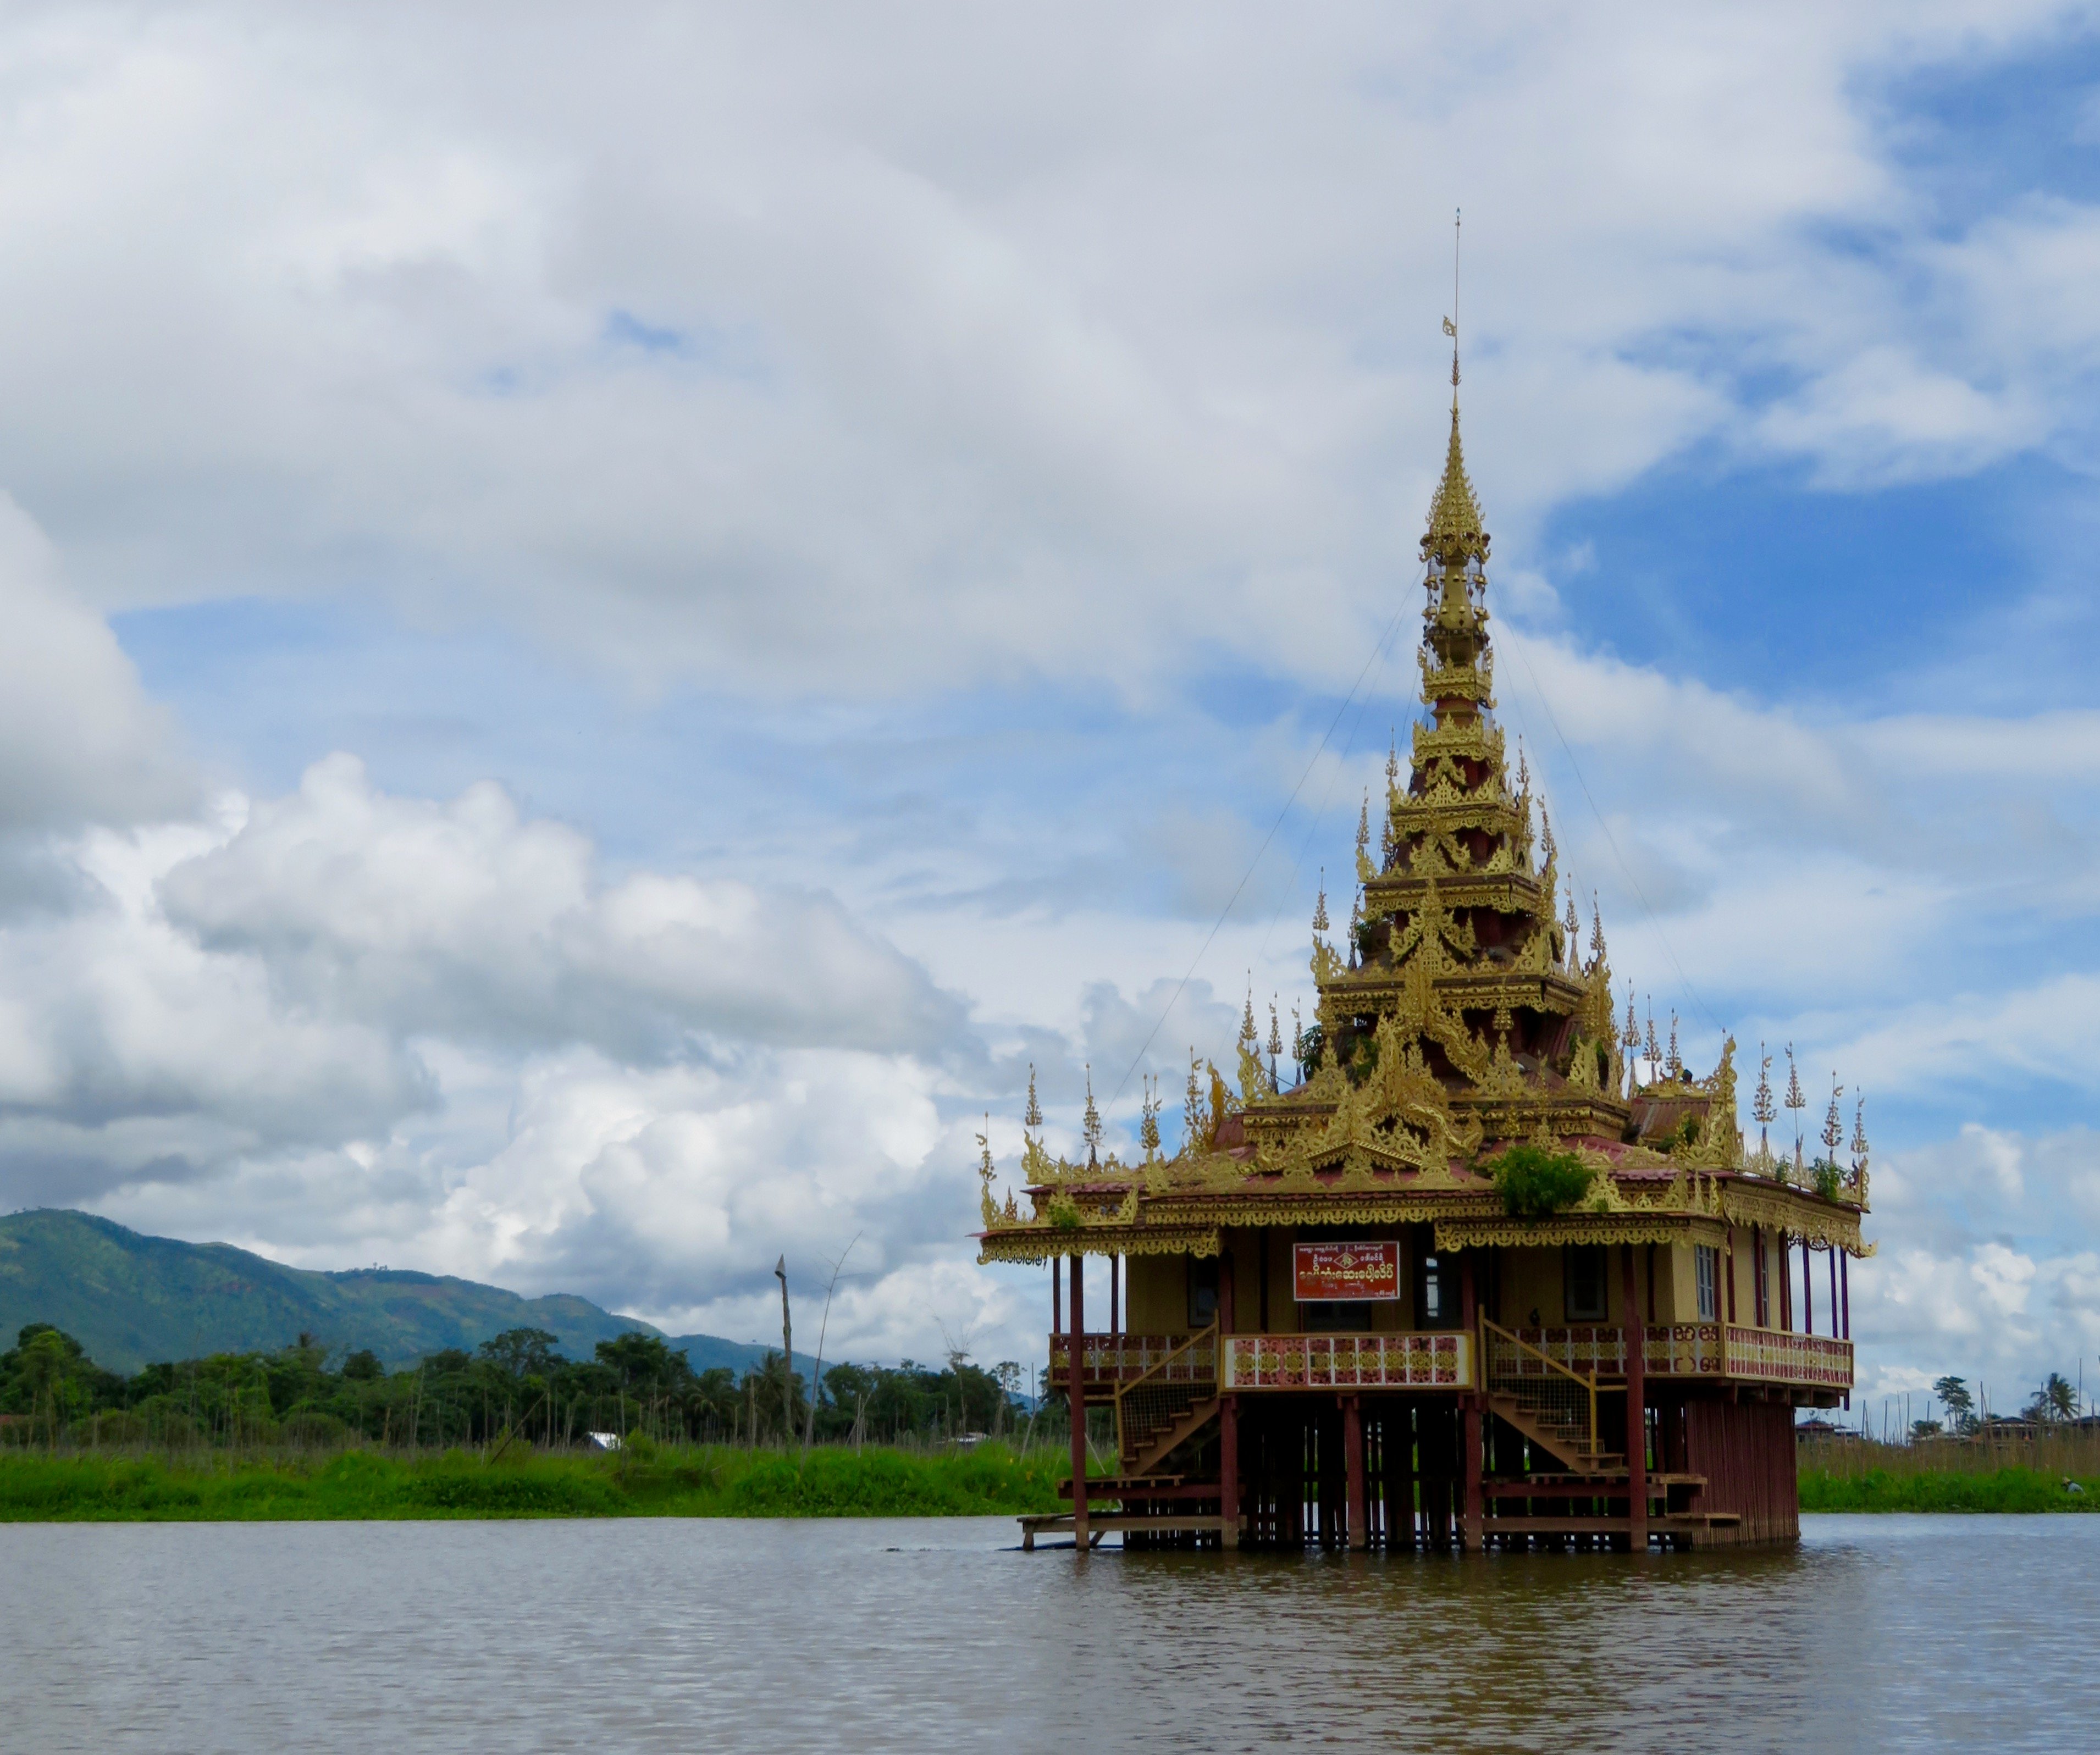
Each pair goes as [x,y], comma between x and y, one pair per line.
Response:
[1328,1271]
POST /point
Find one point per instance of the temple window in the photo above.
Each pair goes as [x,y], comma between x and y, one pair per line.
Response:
[1706,1263]
[1202,1291]
[1586,1283]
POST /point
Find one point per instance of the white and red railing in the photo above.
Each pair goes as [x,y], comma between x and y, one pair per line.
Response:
[1445,1359]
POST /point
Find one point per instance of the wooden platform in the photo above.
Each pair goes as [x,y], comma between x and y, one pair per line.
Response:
[1061,1523]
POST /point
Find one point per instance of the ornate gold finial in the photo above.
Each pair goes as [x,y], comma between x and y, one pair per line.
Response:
[1596,932]
[1192,1108]
[1653,1055]
[1574,925]
[1761,1110]
[1833,1124]
[1796,1102]
[1275,1037]
[1859,1138]
[1249,1037]
[1320,907]
[1365,873]
[1631,1035]
[1675,1063]
[1356,926]
[1148,1128]
[985,1172]
[1090,1125]
[1031,1121]
[1523,771]
[1297,1037]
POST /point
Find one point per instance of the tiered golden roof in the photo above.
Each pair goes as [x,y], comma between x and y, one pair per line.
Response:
[1457,1017]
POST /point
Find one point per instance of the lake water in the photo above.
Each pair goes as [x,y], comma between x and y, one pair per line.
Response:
[1886,1633]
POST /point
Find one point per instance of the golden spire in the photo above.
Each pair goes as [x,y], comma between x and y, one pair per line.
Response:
[1455,532]
[1090,1125]
[1320,907]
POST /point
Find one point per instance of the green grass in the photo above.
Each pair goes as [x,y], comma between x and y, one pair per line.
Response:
[2009,1489]
[670,1482]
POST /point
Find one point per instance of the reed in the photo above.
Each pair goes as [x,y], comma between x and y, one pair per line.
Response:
[645,1479]
[2026,1474]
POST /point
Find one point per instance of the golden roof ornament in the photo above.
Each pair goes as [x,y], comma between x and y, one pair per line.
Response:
[1191,1106]
[1090,1126]
[1031,1121]
[1653,1055]
[1148,1126]
[1859,1136]
[1320,907]
[1762,1109]
[1675,1063]
[1796,1102]
[1834,1124]
[1597,938]
[1574,925]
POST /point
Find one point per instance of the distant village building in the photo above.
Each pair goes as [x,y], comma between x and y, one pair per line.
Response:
[1347,1312]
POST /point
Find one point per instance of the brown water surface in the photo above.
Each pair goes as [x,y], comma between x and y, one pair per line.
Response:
[1883,1633]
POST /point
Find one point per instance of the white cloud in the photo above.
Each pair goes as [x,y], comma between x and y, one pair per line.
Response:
[1101,336]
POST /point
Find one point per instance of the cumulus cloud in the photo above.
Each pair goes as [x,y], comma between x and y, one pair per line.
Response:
[465,920]
[80,742]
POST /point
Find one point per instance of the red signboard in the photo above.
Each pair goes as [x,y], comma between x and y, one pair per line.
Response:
[1332,1272]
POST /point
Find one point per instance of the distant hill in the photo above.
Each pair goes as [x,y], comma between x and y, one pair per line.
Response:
[130,1299]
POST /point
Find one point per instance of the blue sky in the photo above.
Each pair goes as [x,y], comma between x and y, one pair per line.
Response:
[768,512]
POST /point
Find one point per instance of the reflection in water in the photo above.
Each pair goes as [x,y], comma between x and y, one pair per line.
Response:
[1877,1632]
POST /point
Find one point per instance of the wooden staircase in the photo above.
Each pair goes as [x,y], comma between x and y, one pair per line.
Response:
[1552,1406]
[1159,1412]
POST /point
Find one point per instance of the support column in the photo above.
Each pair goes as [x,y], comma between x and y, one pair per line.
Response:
[1845,1292]
[1228,1312]
[1636,1407]
[1115,1309]
[1075,1392]
[1475,1510]
[1229,1470]
[1352,1461]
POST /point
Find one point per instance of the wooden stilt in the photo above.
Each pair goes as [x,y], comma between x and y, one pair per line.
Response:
[1075,1392]
[1229,1470]
[1636,1410]
[1353,1462]
[1470,1421]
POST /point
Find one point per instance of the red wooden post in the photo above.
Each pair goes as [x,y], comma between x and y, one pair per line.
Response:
[1470,1421]
[1353,1459]
[1835,1252]
[1115,1310]
[1807,1289]
[1075,1392]
[1229,1470]
[1636,1407]
[1056,1294]
[1784,1252]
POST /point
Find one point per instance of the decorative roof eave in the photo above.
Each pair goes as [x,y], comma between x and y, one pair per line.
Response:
[1503,1232]
[1042,1243]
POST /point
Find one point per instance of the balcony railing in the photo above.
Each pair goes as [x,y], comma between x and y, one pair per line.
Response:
[1774,1356]
[1125,1358]
[1445,1359]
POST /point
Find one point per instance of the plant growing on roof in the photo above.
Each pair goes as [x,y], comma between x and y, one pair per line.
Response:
[1537,1184]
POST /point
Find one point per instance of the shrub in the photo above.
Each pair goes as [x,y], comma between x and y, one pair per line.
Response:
[311,1426]
[1535,1184]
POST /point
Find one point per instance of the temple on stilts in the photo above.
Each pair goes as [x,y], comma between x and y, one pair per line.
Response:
[1489,1267]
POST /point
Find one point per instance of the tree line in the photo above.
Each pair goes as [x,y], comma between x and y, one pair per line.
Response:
[2055,1403]
[516,1387]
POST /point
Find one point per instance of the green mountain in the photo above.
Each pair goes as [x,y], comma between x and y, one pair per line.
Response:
[131,1300]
